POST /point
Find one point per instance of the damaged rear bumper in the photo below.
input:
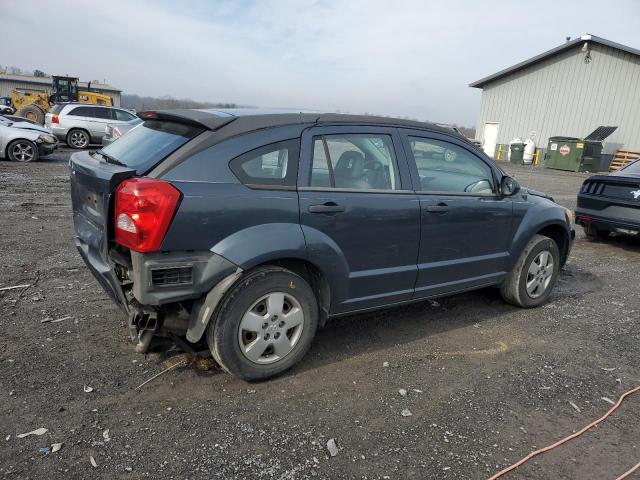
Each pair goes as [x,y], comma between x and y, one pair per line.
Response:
[163,290]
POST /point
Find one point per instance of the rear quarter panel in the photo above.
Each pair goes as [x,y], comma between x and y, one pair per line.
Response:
[248,226]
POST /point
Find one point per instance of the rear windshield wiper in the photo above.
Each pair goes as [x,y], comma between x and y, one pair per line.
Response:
[110,159]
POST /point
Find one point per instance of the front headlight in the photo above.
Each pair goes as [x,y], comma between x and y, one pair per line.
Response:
[569,214]
[45,138]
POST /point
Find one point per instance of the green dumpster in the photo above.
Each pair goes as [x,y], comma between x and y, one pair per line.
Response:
[517,152]
[577,154]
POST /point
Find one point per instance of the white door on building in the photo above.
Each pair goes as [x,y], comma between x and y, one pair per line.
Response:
[490,138]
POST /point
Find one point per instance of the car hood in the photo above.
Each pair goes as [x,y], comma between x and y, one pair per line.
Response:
[31,126]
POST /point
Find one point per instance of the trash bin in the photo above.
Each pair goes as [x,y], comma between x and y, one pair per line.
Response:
[517,152]
[577,154]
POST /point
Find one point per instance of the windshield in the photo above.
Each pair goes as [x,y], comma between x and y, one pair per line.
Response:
[146,145]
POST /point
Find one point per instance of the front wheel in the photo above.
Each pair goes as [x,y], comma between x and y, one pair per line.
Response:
[22,151]
[531,281]
[264,325]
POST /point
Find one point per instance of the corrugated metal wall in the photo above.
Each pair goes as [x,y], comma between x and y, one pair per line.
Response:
[6,86]
[565,96]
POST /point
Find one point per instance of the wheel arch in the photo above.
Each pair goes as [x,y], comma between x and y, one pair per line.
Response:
[558,233]
[313,275]
[554,228]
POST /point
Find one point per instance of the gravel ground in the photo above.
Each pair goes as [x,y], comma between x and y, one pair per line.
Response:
[486,382]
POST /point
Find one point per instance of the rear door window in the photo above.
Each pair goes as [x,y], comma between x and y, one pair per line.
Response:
[103,113]
[273,164]
[354,161]
[82,112]
[144,146]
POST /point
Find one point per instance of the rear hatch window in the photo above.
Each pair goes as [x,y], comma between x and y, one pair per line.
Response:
[144,146]
[57,108]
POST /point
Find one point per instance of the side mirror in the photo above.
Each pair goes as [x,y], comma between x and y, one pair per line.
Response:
[509,186]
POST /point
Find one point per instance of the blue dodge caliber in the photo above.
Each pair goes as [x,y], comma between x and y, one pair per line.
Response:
[251,228]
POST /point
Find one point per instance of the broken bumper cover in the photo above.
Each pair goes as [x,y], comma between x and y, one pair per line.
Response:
[104,273]
[160,278]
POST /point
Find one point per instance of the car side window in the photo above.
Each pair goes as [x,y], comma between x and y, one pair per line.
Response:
[103,113]
[446,167]
[273,164]
[354,161]
[123,116]
[82,112]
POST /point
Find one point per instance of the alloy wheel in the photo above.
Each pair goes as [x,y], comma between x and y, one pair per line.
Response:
[22,152]
[271,328]
[539,274]
[78,139]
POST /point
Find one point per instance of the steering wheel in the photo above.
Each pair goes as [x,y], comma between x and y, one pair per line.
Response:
[450,155]
[481,186]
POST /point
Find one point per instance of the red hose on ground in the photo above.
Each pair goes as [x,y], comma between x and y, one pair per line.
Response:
[571,437]
[628,472]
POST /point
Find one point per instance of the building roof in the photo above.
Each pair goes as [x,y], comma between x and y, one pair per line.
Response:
[543,56]
[256,118]
[46,81]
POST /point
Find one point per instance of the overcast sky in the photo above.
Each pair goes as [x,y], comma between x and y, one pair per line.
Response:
[401,58]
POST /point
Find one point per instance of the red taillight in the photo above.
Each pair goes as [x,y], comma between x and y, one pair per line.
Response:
[116,133]
[55,118]
[144,208]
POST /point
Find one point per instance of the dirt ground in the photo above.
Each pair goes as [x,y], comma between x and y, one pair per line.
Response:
[486,382]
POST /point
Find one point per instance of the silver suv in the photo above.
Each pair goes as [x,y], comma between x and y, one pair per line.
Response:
[80,124]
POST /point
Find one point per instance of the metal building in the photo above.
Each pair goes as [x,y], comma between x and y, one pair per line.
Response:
[569,90]
[9,82]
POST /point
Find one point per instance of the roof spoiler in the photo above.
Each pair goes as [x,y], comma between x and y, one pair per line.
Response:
[189,117]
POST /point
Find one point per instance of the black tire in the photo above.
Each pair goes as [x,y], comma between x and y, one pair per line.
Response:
[78,138]
[33,113]
[224,332]
[595,233]
[514,289]
[22,151]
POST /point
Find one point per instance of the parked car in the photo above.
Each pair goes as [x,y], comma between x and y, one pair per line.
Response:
[23,142]
[6,107]
[80,125]
[611,203]
[114,132]
[251,229]
[16,118]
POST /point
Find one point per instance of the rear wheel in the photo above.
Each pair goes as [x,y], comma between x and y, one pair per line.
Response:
[77,138]
[33,113]
[535,273]
[265,324]
[22,151]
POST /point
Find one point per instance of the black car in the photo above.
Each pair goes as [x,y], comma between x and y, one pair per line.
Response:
[611,203]
[250,229]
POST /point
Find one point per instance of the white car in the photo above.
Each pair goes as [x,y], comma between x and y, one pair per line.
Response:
[25,142]
[81,125]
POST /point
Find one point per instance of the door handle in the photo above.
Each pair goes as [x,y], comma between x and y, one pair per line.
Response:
[440,208]
[328,207]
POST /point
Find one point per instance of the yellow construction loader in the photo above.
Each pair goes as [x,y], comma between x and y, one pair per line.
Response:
[34,104]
